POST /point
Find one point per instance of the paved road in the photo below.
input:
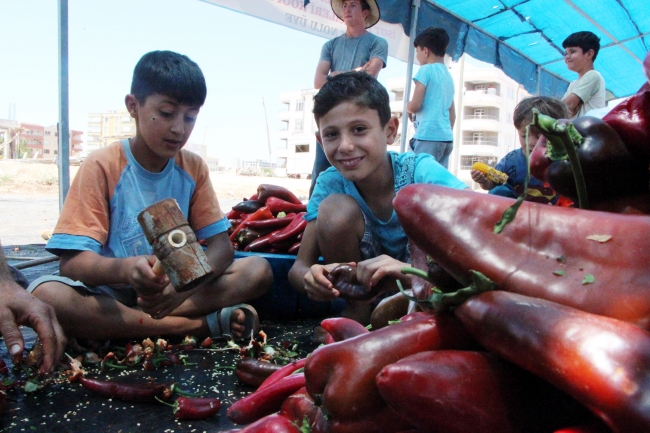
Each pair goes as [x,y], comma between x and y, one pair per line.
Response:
[23,218]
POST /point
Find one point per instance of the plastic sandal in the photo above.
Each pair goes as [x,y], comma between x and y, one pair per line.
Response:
[219,322]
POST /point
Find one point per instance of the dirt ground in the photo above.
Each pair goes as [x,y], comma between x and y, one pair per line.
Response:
[41,178]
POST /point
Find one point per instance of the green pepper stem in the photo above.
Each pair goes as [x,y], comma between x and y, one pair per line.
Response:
[164,402]
[563,140]
[179,391]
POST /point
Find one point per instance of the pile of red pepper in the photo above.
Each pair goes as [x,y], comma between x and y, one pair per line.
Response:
[271,221]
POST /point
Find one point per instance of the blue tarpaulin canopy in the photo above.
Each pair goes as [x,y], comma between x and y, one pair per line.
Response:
[524,37]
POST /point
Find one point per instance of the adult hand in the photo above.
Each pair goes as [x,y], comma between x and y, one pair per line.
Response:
[19,307]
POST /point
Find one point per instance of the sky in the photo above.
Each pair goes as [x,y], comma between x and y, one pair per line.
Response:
[244,59]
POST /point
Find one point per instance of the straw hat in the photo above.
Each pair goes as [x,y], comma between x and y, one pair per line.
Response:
[371,19]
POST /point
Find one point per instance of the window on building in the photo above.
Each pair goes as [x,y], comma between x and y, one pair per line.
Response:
[46,150]
[56,151]
[466,161]
[481,88]
[302,148]
[47,132]
[298,126]
[479,113]
[300,105]
[478,137]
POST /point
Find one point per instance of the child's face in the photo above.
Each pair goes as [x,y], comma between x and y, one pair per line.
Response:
[354,140]
[421,55]
[533,136]
[577,60]
[163,128]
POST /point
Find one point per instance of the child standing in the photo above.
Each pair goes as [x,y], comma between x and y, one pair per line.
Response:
[106,262]
[514,164]
[350,213]
[432,107]
[588,91]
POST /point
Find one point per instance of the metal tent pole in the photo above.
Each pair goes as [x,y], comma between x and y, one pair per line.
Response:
[64,115]
[415,8]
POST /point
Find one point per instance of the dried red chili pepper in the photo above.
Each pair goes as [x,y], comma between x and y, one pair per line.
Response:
[264,191]
[254,372]
[601,362]
[265,401]
[261,242]
[545,252]
[278,205]
[186,408]
[283,372]
[465,391]
[296,226]
[341,376]
[293,249]
[260,214]
[137,392]
[272,223]
[274,423]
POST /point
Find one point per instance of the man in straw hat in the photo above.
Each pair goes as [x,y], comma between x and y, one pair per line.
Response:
[357,50]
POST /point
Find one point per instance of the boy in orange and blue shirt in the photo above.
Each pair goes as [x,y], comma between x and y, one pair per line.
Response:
[106,262]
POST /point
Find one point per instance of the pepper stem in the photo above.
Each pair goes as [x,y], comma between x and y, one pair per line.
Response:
[562,142]
[440,302]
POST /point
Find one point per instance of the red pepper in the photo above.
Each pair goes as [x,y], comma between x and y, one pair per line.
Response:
[631,121]
[296,226]
[341,376]
[254,372]
[137,392]
[278,205]
[342,328]
[270,424]
[265,401]
[293,249]
[545,252]
[233,214]
[464,391]
[272,223]
[260,243]
[186,408]
[283,372]
[601,362]
[344,279]
[260,214]
[264,191]
[610,171]
[247,206]
[299,407]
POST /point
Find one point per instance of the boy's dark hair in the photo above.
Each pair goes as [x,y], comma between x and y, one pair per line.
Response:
[170,74]
[364,5]
[585,40]
[433,38]
[545,105]
[359,88]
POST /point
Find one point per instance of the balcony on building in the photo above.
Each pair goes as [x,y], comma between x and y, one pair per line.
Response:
[481,119]
[482,94]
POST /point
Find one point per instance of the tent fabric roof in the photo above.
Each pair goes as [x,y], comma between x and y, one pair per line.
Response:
[522,36]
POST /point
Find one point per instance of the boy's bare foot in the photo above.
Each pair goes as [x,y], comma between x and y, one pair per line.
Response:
[237,324]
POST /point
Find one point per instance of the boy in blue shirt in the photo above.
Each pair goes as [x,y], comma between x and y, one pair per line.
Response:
[106,262]
[350,213]
[514,163]
[432,106]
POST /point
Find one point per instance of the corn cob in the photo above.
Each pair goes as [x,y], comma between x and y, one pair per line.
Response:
[490,173]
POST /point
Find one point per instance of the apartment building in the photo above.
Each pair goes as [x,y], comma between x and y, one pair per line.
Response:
[105,128]
[51,142]
[485,99]
[31,140]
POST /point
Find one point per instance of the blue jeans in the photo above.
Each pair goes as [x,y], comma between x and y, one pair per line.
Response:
[320,165]
[440,150]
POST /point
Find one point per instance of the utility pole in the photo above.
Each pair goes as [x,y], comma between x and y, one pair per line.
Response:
[268,136]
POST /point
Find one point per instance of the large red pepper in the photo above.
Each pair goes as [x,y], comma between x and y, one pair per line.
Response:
[299,407]
[631,120]
[610,171]
[601,362]
[341,376]
[264,191]
[545,252]
[265,401]
[342,328]
[464,391]
[278,205]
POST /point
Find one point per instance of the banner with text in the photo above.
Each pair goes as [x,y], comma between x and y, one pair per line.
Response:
[317,18]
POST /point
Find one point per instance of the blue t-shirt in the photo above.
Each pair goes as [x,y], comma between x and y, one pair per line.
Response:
[432,121]
[408,168]
[345,54]
[514,165]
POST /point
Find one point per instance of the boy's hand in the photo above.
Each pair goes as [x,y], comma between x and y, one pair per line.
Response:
[317,286]
[371,271]
[144,280]
[479,177]
[164,303]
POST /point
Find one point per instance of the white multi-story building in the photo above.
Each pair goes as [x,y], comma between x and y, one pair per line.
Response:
[485,100]
[105,128]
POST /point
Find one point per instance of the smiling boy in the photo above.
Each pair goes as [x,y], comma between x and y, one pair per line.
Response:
[350,213]
[588,91]
[106,262]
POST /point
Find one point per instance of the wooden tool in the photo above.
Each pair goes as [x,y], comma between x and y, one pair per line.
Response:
[175,245]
